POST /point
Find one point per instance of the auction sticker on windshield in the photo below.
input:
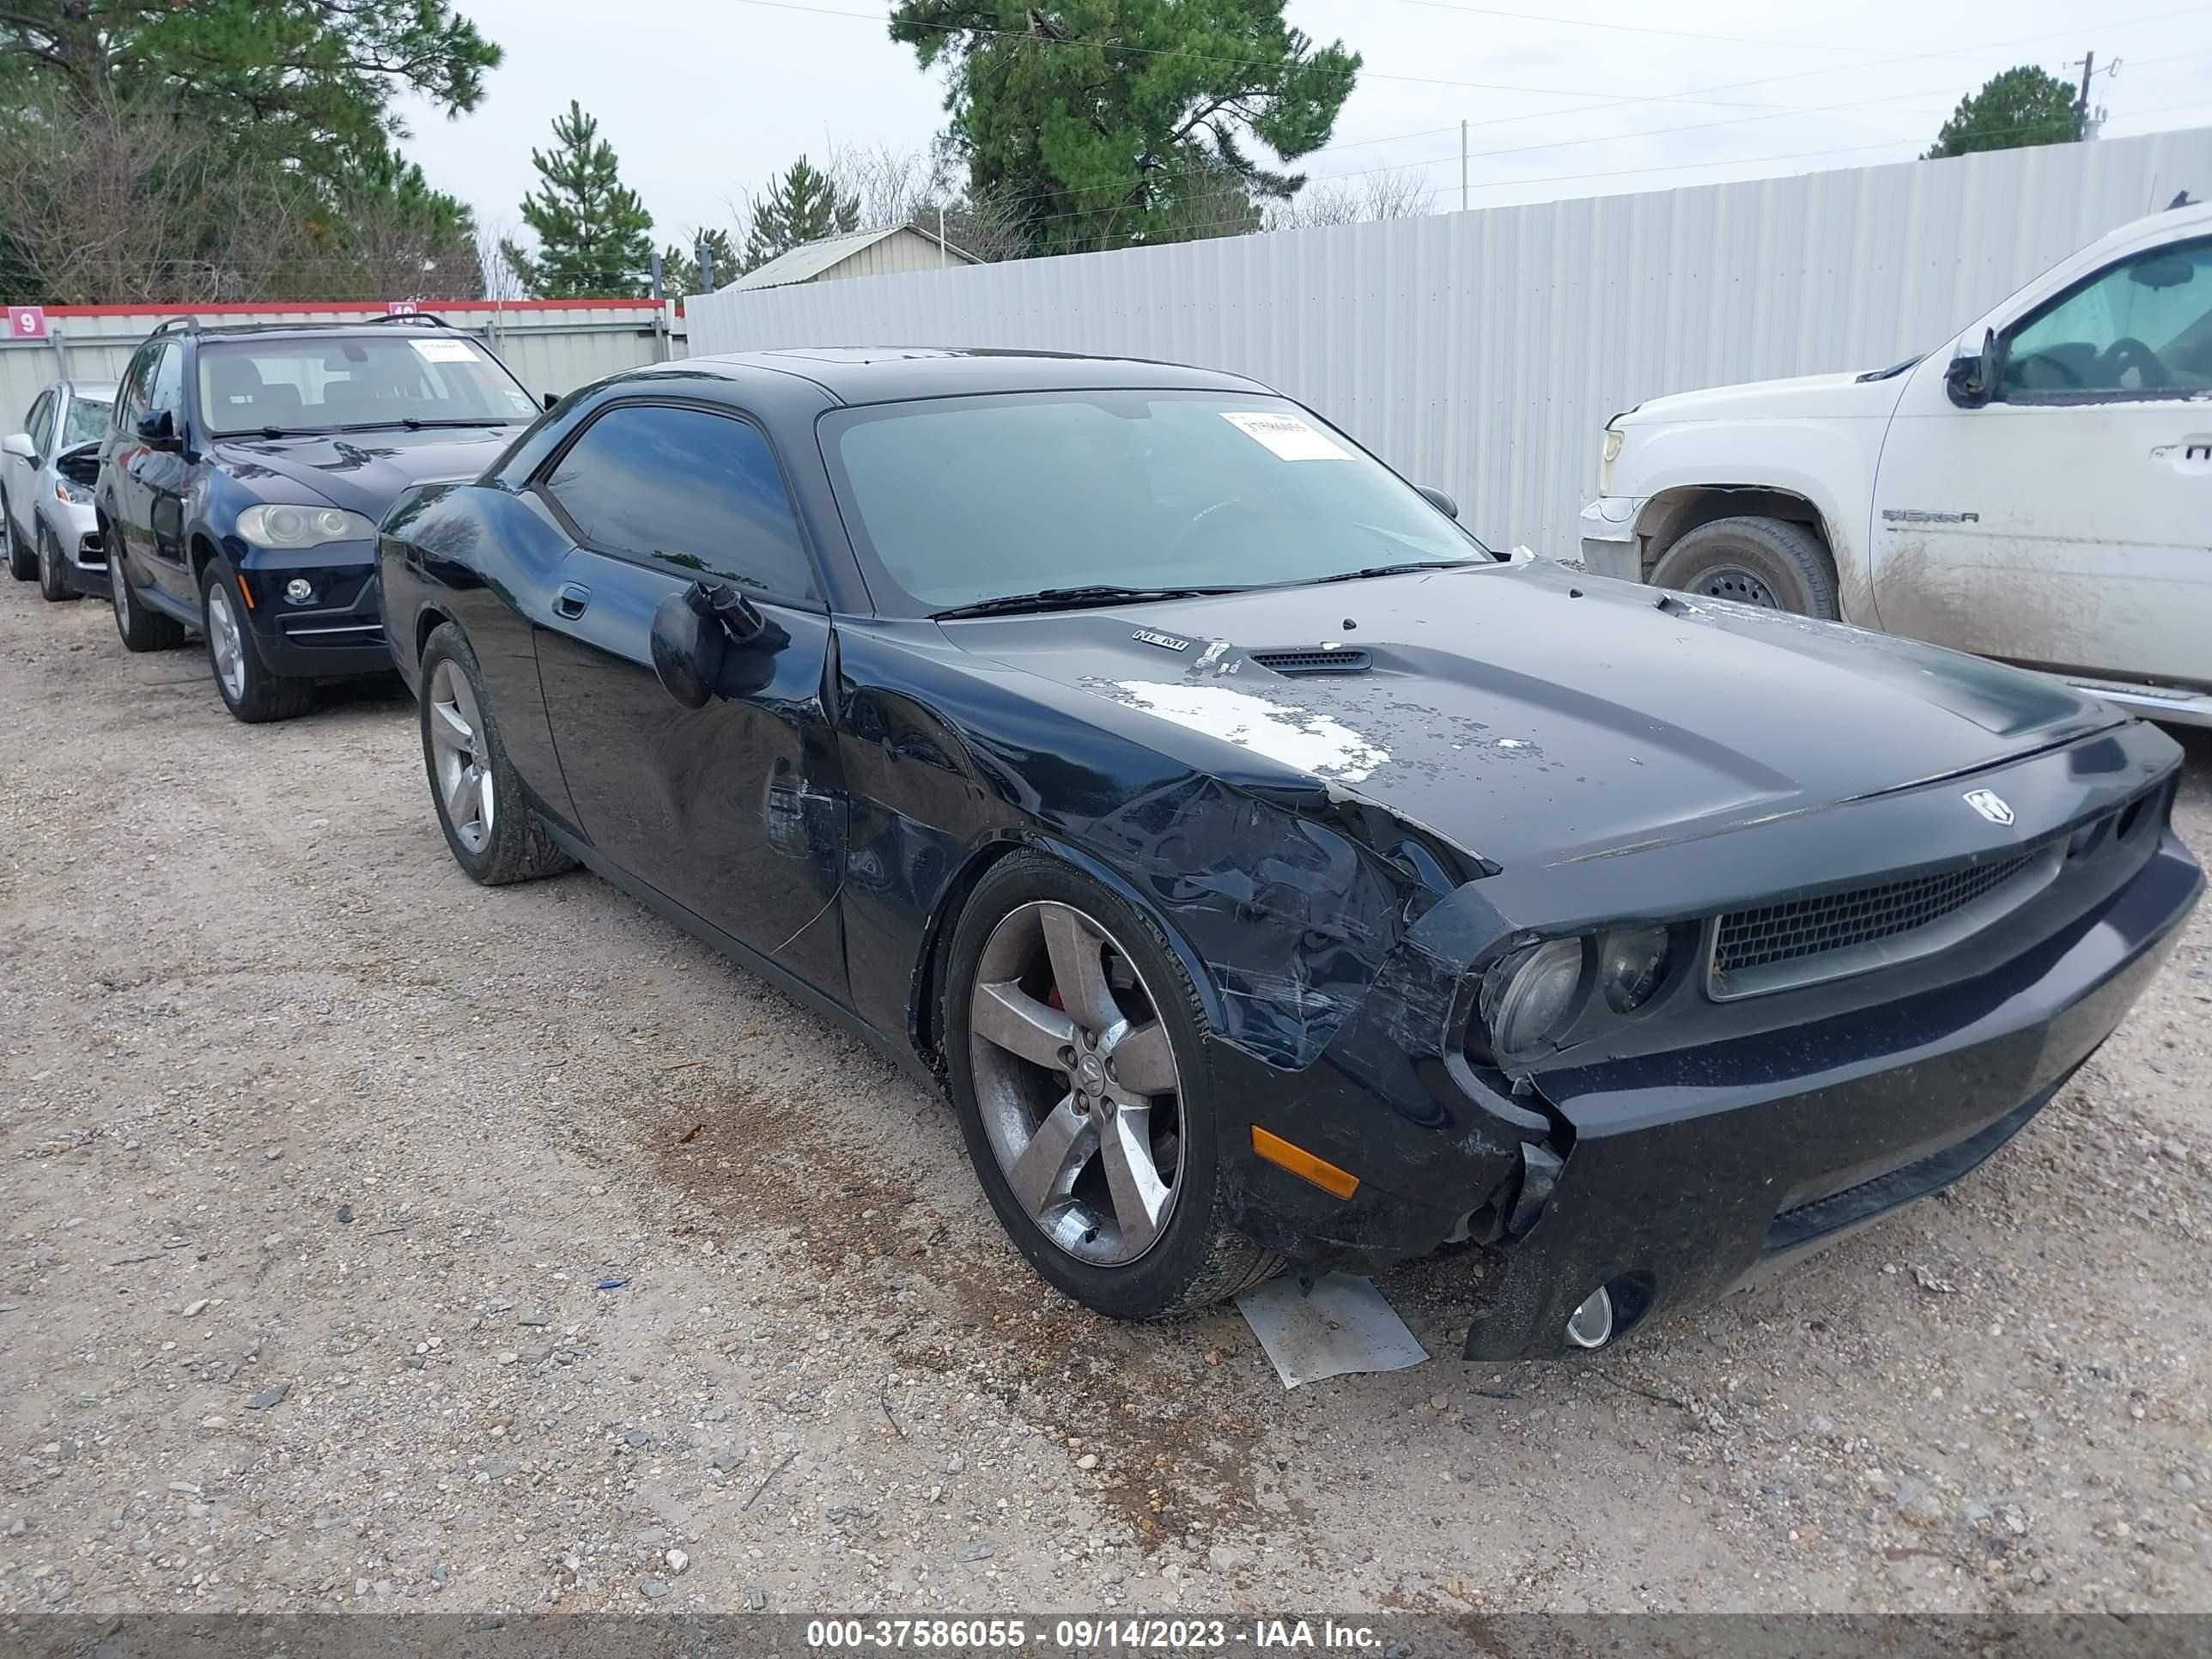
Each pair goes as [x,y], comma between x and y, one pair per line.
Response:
[1286,435]
[445,351]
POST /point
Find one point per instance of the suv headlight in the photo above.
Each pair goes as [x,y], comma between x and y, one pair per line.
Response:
[75,494]
[303,526]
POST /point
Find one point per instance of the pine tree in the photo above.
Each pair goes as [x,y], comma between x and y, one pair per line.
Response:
[593,231]
[802,206]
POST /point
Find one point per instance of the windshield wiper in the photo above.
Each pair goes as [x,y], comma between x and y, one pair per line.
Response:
[417,422]
[1074,599]
[1390,570]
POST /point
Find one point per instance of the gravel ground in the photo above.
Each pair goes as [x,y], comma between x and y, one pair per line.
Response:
[369,1239]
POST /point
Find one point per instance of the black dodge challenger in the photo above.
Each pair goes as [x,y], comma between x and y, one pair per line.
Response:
[1275,875]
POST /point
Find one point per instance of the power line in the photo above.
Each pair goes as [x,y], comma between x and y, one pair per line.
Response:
[1636,28]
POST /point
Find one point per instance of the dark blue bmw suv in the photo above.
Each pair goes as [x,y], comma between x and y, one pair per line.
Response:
[245,471]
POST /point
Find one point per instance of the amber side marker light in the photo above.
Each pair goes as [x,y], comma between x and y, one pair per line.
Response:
[1339,1183]
[245,593]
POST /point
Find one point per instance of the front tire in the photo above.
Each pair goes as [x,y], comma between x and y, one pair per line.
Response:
[1078,1068]
[141,629]
[248,690]
[53,577]
[1771,563]
[491,833]
[22,558]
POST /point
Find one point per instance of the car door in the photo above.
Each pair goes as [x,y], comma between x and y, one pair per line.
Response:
[127,501]
[734,811]
[2067,521]
[165,474]
[22,476]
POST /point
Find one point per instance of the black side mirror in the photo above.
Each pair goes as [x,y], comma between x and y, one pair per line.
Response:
[1443,503]
[700,637]
[1971,382]
[158,429]
[550,398]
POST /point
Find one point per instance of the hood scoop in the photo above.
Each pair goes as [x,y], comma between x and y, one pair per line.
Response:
[1305,661]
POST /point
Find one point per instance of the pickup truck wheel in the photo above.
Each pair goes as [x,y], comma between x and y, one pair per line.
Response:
[493,835]
[1763,561]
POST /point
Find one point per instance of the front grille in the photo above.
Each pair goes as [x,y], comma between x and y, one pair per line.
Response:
[1313,660]
[1780,946]
[1836,921]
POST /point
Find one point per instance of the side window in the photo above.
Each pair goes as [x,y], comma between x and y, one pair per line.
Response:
[130,402]
[695,491]
[167,394]
[2141,329]
[40,426]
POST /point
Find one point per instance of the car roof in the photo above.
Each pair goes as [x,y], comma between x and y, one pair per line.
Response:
[877,374]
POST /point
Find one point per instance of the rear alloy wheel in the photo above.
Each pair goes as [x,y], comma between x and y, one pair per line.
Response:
[22,558]
[248,690]
[1769,562]
[142,629]
[1073,1047]
[53,577]
[494,837]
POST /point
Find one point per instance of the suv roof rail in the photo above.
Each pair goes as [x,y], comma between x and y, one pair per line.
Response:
[191,325]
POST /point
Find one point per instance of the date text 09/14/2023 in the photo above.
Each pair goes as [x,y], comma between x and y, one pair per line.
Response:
[1087,1635]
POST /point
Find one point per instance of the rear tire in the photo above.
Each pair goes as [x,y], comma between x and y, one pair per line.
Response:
[22,558]
[242,680]
[142,629]
[493,835]
[53,577]
[1016,1099]
[1771,563]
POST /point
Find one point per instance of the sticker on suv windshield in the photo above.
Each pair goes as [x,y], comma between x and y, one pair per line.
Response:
[445,351]
[1287,436]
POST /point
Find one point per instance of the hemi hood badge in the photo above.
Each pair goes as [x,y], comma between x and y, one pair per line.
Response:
[1165,641]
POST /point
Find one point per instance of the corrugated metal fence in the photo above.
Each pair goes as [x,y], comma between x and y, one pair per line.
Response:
[1483,351]
[554,345]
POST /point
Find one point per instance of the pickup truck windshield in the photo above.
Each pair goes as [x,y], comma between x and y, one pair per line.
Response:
[958,501]
[315,385]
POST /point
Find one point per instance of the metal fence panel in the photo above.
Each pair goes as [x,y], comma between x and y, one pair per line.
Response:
[1483,351]
[552,346]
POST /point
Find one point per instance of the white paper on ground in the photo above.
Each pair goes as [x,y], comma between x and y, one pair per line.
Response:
[1345,1326]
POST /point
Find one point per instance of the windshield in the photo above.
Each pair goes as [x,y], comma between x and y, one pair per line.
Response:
[971,499]
[317,385]
[86,422]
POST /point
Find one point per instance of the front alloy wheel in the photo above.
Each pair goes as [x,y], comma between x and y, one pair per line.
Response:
[1074,1049]
[1077,1082]
[461,764]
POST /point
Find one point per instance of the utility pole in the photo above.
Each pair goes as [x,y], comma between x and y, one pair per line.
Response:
[2085,122]
[1463,166]
[704,253]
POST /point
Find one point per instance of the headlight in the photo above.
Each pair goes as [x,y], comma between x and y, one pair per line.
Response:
[302,526]
[1629,965]
[75,494]
[1612,443]
[1528,996]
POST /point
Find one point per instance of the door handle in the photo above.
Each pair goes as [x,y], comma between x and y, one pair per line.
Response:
[568,604]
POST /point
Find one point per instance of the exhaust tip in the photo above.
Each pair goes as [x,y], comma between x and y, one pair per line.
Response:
[1591,1326]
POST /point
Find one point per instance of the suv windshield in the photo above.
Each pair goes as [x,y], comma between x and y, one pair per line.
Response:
[85,423]
[327,382]
[967,500]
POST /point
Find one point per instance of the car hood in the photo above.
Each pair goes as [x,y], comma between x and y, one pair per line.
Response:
[1804,396]
[365,470]
[1528,713]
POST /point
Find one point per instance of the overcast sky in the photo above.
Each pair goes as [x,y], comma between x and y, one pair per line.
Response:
[704,100]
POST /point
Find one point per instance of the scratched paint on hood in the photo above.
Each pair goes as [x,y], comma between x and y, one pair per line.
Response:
[1297,736]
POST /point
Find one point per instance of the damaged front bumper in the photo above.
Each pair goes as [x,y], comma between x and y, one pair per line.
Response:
[1667,1161]
[1691,1173]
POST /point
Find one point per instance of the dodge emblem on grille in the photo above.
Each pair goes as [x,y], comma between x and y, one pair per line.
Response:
[1990,805]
